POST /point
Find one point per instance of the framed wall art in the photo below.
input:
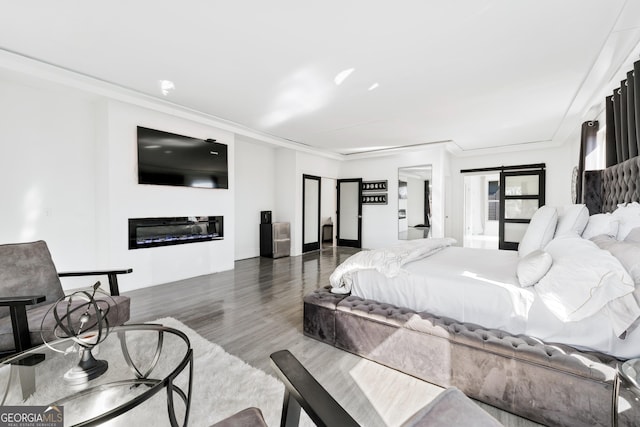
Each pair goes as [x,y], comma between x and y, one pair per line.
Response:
[374,199]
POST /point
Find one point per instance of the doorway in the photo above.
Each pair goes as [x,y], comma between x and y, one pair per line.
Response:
[328,208]
[499,203]
[481,211]
[311,190]
[349,212]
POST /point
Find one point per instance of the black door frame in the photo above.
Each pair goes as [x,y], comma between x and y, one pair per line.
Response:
[540,197]
[350,242]
[306,247]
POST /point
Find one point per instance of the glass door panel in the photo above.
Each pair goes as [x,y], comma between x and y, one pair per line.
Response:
[522,185]
[520,208]
[350,212]
[513,232]
[310,213]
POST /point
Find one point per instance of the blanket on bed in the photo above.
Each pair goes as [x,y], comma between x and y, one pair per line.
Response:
[388,261]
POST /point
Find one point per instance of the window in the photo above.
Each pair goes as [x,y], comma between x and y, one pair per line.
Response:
[493,211]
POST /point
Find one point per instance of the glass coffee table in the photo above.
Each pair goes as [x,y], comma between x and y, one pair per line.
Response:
[630,371]
[143,359]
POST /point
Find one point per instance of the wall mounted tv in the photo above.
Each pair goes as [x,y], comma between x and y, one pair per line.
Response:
[168,159]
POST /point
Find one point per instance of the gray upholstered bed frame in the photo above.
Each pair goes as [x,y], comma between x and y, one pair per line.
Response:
[604,189]
[548,383]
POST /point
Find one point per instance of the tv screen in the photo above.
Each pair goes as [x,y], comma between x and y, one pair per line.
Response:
[168,159]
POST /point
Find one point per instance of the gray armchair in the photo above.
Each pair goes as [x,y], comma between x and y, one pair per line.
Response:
[30,285]
[303,391]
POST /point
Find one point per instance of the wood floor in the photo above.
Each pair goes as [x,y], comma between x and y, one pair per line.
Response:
[256,309]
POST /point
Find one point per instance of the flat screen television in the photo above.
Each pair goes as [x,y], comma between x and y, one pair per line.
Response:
[168,159]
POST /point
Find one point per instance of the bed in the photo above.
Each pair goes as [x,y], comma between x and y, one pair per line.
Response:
[507,332]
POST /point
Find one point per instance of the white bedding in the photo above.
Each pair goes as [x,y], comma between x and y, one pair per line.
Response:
[480,286]
[387,261]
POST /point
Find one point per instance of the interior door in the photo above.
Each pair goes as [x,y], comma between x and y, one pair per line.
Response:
[310,213]
[521,194]
[349,212]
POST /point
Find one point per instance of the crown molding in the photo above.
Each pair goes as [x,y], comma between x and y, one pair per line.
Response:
[101,88]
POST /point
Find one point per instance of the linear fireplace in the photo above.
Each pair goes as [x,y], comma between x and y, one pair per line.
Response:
[151,232]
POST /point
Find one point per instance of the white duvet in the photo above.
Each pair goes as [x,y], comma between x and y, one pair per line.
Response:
[387,261]
[480,286]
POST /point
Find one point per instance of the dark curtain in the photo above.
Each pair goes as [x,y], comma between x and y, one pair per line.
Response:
[610,145]
[632,129]
[588,143]
[623,119]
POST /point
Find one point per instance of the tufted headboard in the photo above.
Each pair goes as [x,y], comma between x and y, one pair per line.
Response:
[604,189]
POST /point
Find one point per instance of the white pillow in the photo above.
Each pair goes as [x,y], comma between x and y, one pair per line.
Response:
[629,217]
[633,236]
[582,280]
[540,230]
[533,267]
[601,224]
[629,256]
[627,252]
[572,219]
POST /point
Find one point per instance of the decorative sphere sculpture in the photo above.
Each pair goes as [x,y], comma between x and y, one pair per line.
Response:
[82,318]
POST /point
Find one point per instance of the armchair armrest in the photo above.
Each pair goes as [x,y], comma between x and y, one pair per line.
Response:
[18,313]
[111,274]
[302,390]
[21,300]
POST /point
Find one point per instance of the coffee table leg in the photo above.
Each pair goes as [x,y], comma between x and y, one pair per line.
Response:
[186,397]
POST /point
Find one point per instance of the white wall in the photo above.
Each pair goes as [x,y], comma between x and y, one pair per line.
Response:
[559,165]
[47,164]
[380,222]
[286,190]
[255,191]
[125,199]
[68,176]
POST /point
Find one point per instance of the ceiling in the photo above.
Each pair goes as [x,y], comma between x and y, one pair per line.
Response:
[475,73]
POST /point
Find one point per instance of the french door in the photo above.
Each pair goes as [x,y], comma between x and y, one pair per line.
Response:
[522,192]
[499,204]
[349,212]
[310,213]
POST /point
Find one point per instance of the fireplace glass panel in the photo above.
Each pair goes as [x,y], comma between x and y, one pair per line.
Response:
[151,232]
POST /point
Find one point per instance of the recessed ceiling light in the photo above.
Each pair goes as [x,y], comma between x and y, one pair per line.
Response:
[342,75]
[166,86]
[373,86]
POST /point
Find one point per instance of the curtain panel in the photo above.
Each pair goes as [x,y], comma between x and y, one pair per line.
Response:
[588,143]
[623,119]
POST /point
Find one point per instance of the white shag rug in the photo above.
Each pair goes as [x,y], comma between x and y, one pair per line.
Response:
[223,384]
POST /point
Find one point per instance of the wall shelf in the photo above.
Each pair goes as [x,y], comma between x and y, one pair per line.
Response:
[374,185]
[374,199]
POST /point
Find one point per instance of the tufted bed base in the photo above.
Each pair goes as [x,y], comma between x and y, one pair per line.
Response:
[549,384]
